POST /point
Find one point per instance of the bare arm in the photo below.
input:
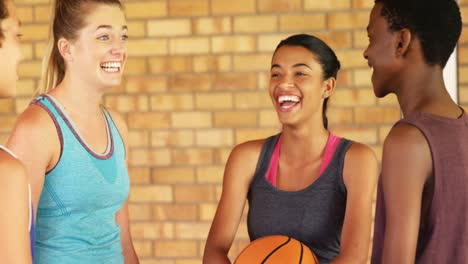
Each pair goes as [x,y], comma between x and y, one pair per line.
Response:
[237,177]
[36,143]
[360,177]
[406,165]
[122,216]
[14,213]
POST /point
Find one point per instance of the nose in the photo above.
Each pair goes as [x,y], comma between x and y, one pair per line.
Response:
[286,84]
[118,48]
[364,54]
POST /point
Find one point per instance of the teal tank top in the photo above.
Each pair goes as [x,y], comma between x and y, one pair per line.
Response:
[76,213]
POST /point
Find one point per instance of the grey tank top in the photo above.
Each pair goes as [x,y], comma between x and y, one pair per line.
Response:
[313,215]
[443,237]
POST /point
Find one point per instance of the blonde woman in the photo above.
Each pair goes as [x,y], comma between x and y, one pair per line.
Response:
[73,148]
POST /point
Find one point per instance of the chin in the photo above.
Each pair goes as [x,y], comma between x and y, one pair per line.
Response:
[8,91]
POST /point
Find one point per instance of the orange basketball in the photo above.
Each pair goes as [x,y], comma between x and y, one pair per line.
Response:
[276,250]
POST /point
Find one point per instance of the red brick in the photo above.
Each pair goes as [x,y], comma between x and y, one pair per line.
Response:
[302,22]
[169,27]
[191,230]
[191,82]
[244,24]
[212,25]
[146,84]
[348,20]
[235,119]
[252,100]
[145,157]
[191,119]
[239,44]
[199,156]
[171,102]
[377,115]
[143,248]
[149,120]
[193,194]
[212,63]
[145,9]
[223,7]
[243,135]
[352,97]
[179,138]
[278,5]
[151,230]
[139,175]
[252,62]
[172,64]
[234,81]
[210,174]
[189,8]
[176,248]
[139,212]
[151,193]
[173,175]
[214,138]
[213,101]
[175,212]
[326,5]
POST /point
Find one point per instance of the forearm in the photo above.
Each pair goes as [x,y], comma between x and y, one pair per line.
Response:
[130,255]
[215,256]
[343,259]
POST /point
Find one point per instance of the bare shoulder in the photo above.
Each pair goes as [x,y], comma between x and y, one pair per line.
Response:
[404,135]
[242,162]
[119,121]
[12,171]
[34,118]
[406,153]
[248,152]
[360,153]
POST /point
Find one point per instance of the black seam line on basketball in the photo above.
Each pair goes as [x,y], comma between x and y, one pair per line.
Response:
[302,252]
[271,253]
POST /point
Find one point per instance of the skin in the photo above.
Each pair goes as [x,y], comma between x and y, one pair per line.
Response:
[295,71]
[102,39]
[399,68]
[14,196]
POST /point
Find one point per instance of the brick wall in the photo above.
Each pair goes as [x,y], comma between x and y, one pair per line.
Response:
[196,85]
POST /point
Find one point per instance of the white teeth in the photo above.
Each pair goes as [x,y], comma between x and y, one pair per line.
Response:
[111,64]
[289,98]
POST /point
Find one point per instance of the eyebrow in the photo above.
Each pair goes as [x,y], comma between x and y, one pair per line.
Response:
[124,27]
[294,66]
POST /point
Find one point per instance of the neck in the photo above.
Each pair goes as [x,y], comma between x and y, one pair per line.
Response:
[299,143]
[422,89]
[78,96]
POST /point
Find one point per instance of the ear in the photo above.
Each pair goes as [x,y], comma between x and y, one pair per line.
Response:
[403,42]
[64,48]
[328,87]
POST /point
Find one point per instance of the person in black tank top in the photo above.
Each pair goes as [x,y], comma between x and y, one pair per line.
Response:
[422,209]
[329,212]
[14,197]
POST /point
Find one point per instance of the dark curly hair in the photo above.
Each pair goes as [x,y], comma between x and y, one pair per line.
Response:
[3,15]
[436,23]
[326,57]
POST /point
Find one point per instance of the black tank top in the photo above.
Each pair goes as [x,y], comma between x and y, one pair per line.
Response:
[313,215]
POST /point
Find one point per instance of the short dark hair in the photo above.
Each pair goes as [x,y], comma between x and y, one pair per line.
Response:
[436,23]
[326,57]
[3,15]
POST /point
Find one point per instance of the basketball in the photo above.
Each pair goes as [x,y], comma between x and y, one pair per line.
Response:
[276,250]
